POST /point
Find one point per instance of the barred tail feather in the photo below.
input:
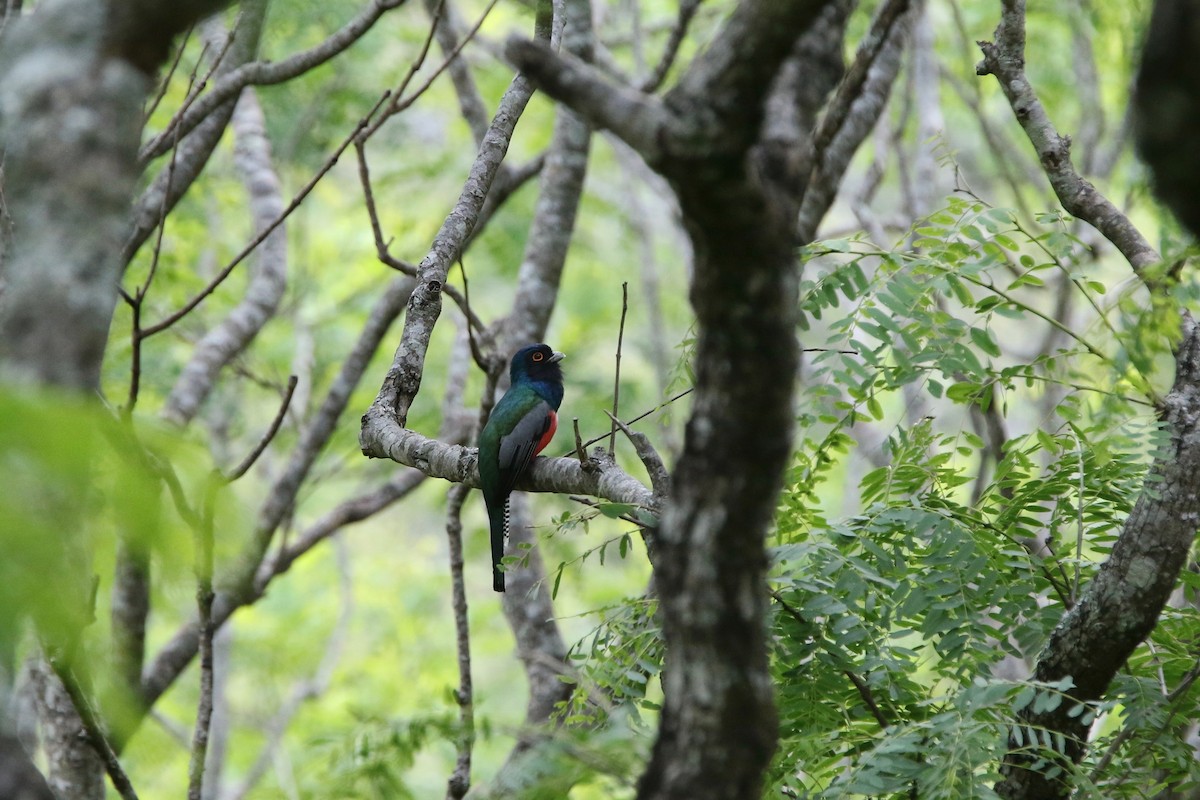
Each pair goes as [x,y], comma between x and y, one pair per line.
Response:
[499,529]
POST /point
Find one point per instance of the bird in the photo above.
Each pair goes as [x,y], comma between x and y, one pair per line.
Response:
[520,426]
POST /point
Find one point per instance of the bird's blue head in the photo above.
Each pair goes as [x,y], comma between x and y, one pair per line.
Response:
[537,365]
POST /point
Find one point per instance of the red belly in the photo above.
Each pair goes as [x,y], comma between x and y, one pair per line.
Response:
[548,435]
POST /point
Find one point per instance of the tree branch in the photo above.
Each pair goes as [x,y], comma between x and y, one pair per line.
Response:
[1004,57]
[460,779]
[853,112]
[640,120]
[1121,605]
[268,279]
[739,202]
[192,151]
[403,379]
[243,584]
[265,73]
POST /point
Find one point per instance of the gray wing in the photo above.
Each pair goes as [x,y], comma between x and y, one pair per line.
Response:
[518,447]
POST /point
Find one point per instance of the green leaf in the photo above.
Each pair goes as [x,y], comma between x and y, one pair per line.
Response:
[615,510]
[983,340]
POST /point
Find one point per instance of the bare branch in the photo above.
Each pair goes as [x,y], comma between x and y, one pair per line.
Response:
[449,38]
[403,380]
[853,83]
[90,720]
[616,409]
[660,478]
[381,246]
[193,151]
[266,230]
[852,113]
[204,604]
[254,454]
[309,688]
[560,188]
[687,10]
[1004,57]
[244,585]
[458,464]
[130,607]
[268,279]
[1121,605]
[264,73]
[460,779]
[640,120]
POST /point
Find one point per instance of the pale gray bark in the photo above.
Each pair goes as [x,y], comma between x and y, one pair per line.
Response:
[268,275]
[1120,607]
[70,119]
[389,413]
[527,602]
[192,151]
[1004,57]
[248,579]
[239,74]
[853,113]
[73,76]
[449,34]
[73,768]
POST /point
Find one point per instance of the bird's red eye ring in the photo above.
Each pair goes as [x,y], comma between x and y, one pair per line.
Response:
[538,356]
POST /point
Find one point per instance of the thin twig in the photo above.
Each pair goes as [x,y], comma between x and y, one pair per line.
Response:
[612,437]
[135,357]
[268,229]
[660,478]
[204,605]
[260,73]
[638,418]
[165,83]
[383,253]
[864,692]
[1004,58]
[579,451]
[460,779]
[138,300]
[687,10]
[851,86]
[399,101]
[1128,730]
[253,456]
[473,322]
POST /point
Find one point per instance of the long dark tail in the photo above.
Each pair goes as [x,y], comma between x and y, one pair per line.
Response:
[498,519]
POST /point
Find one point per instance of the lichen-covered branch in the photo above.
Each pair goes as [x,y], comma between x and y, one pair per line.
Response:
[193,150]
[403,380]
[1122,604]
[264,73]
[457,464]
[1120,607]
[242,586]
[853,112]
[268,278]
[1004,57]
